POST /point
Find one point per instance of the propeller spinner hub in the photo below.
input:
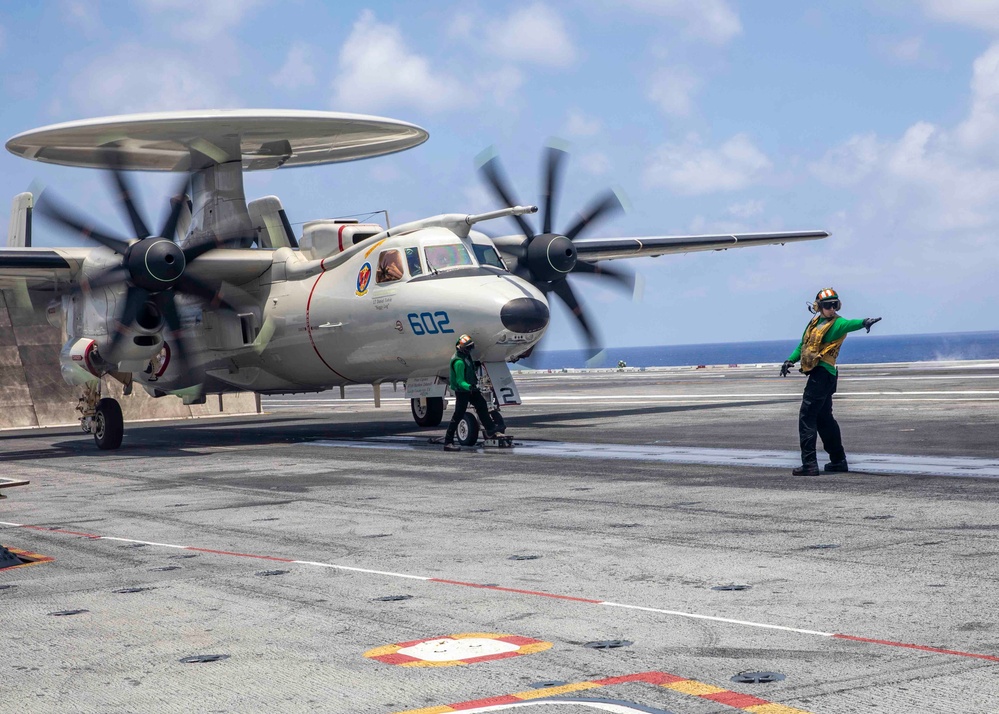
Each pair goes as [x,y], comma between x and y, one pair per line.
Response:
[155,263]
[551,257]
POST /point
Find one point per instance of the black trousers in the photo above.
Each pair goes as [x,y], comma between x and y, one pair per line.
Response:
[816,418]
[461,402]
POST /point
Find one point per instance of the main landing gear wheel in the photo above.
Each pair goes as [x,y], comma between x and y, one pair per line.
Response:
[109,426]
[468,430]
[429,412]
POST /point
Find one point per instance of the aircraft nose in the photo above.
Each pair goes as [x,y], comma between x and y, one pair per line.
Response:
[524,315]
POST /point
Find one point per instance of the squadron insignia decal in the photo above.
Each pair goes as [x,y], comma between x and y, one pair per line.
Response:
[363,279]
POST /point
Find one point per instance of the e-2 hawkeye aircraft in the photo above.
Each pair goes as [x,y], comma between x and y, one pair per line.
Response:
[224,297]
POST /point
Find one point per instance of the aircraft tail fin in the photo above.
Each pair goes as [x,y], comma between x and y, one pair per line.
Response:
[19,231]
[269,220]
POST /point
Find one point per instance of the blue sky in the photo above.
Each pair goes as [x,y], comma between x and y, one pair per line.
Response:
[875,119]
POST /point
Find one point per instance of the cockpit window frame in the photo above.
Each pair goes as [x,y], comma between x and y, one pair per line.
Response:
[430,245]
[381,270]
[488,248]
[414,260]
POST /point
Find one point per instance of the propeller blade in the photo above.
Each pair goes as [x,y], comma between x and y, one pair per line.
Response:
[608,203]
[166,304]
[554,162]
[177,200]
[119,274]
[498,183]
[126,199]
[52,208]
[190,285]
[135,298]
[564,291]
[624,278]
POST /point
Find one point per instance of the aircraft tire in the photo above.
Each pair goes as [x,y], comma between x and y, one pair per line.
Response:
[468,430]
[109,425]
[430,415]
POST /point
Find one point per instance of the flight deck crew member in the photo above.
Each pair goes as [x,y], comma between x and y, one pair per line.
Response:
[817,351]
[465,385]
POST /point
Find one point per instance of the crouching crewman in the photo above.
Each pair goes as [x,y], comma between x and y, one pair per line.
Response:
[465,384]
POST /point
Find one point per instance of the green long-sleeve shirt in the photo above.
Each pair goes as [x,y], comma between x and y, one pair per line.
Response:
[842,326]
[463,377]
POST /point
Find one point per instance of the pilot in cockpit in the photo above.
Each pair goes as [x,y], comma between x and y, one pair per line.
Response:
[389,267]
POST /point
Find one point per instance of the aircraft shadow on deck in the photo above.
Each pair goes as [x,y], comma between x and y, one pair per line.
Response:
[179,438]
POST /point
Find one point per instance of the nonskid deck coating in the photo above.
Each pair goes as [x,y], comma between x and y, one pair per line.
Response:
[892,464]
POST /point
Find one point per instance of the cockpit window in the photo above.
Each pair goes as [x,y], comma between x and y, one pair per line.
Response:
[413,259]
[389,266]
[487,255]
[446,256]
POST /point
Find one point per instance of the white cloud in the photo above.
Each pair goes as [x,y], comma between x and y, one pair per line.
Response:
[200,20]
[297,71]
[377,70]
[83,17]
[135,78]
[672,90]
[979,130]
[579,124]
[595,163]
[535,34]
[690,168]
[904,50]
[849,163]
[502,85]
[935,186]
[979,14]
[746,209]
[711,20]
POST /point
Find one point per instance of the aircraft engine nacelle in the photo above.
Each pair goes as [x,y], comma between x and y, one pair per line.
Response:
[80,362]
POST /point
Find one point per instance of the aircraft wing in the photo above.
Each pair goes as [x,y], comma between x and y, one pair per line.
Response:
[56,269]
[594,249]
[40,268]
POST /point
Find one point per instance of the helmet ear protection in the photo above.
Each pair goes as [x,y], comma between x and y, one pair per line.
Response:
[826,298]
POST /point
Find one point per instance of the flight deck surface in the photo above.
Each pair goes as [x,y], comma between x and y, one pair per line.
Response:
[344,564]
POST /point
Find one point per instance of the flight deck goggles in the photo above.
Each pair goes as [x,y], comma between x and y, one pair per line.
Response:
[830,304]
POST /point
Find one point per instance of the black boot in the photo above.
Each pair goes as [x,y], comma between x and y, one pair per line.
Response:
[806,470]
[837,467]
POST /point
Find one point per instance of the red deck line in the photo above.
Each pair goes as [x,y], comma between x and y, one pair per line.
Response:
[241,555]
[515,590]
[854,638]
[924,648]
[60,530]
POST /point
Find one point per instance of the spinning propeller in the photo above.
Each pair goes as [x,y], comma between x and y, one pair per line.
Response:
[152,266]
[547,259]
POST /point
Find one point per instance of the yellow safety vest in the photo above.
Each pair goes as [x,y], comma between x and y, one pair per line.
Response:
[813,350]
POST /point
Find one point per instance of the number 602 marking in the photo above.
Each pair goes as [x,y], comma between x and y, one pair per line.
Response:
[426,323]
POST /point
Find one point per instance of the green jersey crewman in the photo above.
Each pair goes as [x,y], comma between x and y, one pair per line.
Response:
[817,351]
[465,385]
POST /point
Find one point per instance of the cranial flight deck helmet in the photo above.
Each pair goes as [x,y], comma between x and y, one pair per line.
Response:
[825,298]
[465,343]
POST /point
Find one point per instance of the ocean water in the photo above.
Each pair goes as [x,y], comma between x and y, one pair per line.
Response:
[858,348]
